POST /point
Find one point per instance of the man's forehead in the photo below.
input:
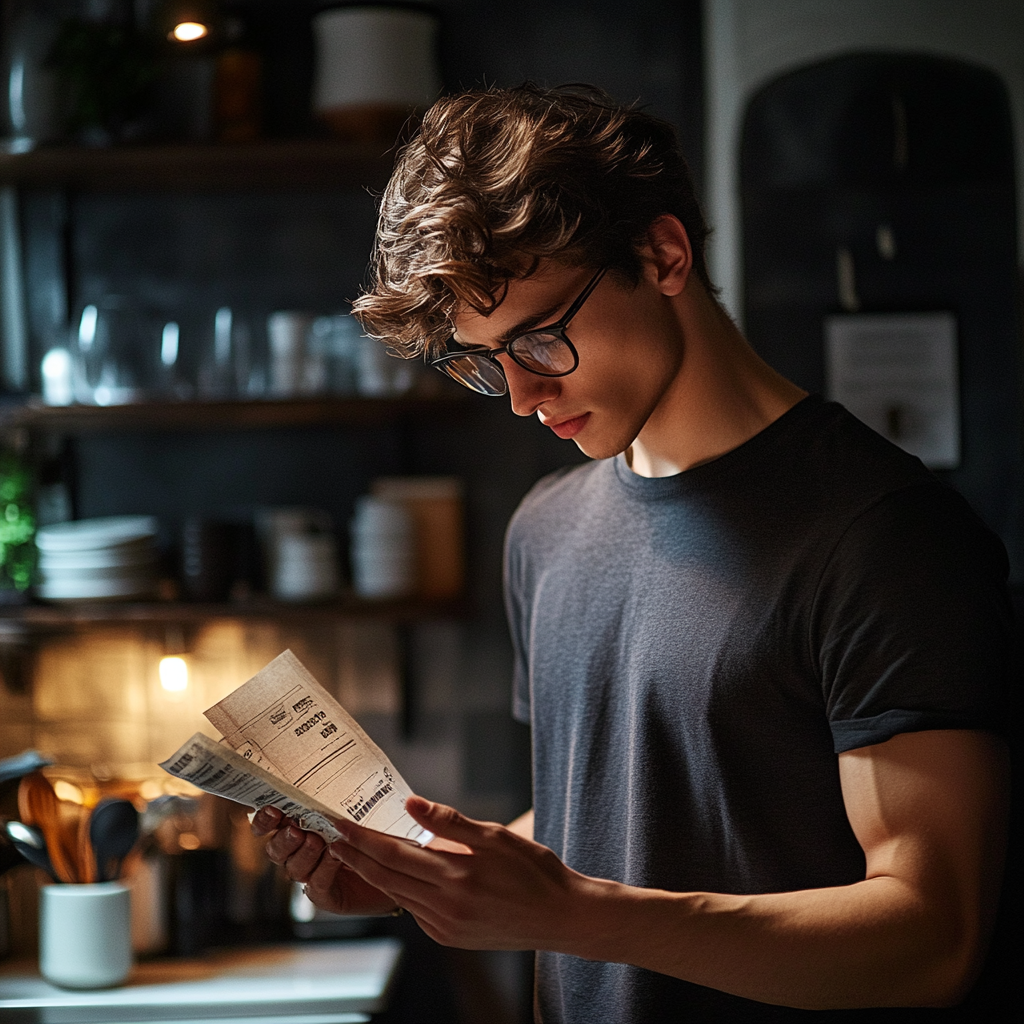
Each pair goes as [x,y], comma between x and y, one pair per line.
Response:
[527,302]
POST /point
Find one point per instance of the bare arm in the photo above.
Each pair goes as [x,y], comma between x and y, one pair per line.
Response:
[929,811]
[928,808]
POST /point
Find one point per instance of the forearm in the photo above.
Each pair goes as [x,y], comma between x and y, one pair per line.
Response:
[875,943]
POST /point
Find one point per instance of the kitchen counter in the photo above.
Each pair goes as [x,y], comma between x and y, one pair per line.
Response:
[317,983]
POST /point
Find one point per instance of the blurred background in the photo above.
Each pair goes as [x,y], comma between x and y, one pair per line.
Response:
[183,224]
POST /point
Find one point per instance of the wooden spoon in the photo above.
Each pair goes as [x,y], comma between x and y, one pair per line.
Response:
[39,805]
[86,857]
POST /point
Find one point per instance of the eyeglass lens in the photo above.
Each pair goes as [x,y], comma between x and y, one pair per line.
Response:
[476,372]
[543,353]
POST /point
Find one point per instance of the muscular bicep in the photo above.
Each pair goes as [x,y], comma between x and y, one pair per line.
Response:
[929,810]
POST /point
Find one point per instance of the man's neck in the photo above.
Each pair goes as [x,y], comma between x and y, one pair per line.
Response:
[722,396]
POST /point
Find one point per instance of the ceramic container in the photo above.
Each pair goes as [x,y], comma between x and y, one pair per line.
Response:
[85,938]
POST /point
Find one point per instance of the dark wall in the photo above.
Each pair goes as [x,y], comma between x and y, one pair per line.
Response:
[647,52]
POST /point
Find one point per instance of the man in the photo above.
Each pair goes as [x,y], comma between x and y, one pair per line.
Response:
[761,649]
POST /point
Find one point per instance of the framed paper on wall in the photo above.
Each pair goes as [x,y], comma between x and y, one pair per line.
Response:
[898,372]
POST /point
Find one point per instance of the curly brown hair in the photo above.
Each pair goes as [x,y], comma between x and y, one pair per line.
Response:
[496,180]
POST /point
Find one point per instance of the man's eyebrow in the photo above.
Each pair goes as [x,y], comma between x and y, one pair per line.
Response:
[528,323]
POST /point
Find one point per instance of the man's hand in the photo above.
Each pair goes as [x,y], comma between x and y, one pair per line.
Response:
[477,886]
[329,884]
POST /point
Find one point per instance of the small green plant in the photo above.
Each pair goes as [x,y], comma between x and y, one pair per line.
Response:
[17,524]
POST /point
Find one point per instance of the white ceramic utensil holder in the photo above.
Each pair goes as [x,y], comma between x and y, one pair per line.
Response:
[85,938]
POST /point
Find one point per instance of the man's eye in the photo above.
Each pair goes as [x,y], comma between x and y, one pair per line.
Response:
[536,342]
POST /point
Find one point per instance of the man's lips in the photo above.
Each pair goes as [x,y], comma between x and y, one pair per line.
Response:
[569,428]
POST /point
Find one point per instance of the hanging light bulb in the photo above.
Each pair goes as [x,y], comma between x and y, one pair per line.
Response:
[188,21]
[189,31]
[174,673]
[173,666]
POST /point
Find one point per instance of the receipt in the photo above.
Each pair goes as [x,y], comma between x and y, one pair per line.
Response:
[283,726]
[217,769]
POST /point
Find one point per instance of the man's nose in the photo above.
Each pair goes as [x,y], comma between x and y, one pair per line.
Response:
[528,391]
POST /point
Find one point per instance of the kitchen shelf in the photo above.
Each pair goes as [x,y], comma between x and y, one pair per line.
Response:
[226,415]
[70,614]
[287,164]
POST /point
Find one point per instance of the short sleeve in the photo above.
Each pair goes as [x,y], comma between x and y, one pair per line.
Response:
[911,623]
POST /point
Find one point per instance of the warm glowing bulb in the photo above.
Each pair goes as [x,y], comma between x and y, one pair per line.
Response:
[189,31]
[173,674]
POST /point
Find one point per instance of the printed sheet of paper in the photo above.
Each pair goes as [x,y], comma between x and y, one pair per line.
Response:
[215,768]
[284,721]
[898,373]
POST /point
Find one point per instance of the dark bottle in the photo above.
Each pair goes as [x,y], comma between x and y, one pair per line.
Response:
[238,87]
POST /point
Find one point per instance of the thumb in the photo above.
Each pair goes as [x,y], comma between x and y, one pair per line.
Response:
[444,821]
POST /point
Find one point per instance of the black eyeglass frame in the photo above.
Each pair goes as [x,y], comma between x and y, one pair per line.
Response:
[557,329]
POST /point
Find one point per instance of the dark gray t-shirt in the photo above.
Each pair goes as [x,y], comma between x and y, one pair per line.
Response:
[693,651]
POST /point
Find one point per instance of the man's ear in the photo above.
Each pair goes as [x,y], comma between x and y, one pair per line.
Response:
[667,255]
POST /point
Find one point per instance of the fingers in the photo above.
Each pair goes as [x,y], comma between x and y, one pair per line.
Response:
[337,888]
[446,822]
[403,881]
[268,819]
[298,852]
[321,882]
[458,836]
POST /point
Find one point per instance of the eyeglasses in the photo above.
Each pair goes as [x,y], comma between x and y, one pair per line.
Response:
[546,351]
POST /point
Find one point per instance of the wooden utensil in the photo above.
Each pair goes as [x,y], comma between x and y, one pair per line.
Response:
[39,805]
[85,859]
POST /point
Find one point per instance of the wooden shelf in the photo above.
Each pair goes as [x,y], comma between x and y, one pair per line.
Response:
[288,164]
[227,415]
[72,614]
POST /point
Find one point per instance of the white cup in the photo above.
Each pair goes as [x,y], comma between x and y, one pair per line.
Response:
[286,333]
[306,568]
[378,373]
[383,548]
[85,935]
[58,377]
[273,524]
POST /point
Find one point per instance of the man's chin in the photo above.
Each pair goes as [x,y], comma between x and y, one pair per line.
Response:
[596,448]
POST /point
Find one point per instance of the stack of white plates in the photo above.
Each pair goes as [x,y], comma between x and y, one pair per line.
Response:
[98,559]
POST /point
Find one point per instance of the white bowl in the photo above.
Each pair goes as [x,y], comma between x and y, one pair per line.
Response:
[96,590]
[135,553]
[143,573]
[91,534]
